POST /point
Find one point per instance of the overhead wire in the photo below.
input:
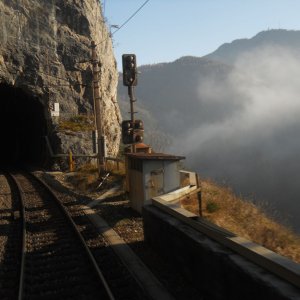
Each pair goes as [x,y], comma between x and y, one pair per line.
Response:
[45,25]
[131,17]
[123,24]
[19,18]
[104,2]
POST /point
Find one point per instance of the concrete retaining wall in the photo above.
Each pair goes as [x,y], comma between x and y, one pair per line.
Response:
[212,268]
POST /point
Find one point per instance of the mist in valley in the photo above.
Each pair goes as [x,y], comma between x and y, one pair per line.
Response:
[234,115]
[254,144]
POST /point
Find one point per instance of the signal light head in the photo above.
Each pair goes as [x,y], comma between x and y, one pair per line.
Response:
[127,132]
[132,132]
[129,69]
[138,138]
[126,124]
[138,124]
[138,131]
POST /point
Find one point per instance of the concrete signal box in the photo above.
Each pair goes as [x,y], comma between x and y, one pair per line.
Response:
[150,175]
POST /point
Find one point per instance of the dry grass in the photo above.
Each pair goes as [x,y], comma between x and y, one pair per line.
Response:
[222,207]
[116,168]
[86,178]
[77,123]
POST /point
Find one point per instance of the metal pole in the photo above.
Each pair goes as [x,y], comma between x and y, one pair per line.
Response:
[132,112]
[97,107]
[199,195]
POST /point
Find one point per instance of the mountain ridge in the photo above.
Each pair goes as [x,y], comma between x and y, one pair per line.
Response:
[279,37]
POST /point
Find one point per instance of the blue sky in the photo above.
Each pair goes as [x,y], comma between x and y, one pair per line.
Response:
[165,30]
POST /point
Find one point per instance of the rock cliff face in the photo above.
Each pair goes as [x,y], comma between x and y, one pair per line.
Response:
[45,51]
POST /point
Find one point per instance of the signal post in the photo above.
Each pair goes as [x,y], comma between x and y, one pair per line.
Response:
[132,130]
[132,112]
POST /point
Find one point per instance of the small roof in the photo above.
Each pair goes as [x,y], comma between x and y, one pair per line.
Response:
[154,156]
[142,145]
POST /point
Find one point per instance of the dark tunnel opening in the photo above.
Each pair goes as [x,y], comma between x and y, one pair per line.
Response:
[23,129]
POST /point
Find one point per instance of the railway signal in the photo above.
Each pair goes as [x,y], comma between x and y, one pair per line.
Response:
[138,133]
[127,132]
[132,130]
[129,70]
[132,134]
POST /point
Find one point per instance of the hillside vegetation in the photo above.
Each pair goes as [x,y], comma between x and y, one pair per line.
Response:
[77,123]
[219,205]
[222,207]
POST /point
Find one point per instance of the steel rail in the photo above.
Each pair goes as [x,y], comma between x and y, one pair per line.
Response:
[261,256]
[23,224]
[79,235]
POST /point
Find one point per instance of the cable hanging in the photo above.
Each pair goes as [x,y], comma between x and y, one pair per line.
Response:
[28,42]
[121,26]
[132,16]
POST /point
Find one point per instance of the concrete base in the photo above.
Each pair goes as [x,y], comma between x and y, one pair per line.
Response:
[213,269]
[148,282]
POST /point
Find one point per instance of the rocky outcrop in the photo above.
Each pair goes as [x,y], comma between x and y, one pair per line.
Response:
[45,51]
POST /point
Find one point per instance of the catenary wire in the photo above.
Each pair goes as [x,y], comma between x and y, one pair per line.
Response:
[121,26]
[23,41]
[132,16]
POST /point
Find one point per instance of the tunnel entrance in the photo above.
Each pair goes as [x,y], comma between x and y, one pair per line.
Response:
[23,128]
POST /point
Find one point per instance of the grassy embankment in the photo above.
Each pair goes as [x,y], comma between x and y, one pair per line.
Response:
[222,207]
[86,178]
[77,123]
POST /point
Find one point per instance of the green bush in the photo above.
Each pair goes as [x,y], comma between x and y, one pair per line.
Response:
[212,207]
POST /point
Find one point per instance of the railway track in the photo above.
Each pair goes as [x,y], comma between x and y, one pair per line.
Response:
[118,275]
[10,240]
[55,261]
[64,256]
[50,250]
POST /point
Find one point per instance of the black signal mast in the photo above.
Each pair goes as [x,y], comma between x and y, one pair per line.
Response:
[132,131]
